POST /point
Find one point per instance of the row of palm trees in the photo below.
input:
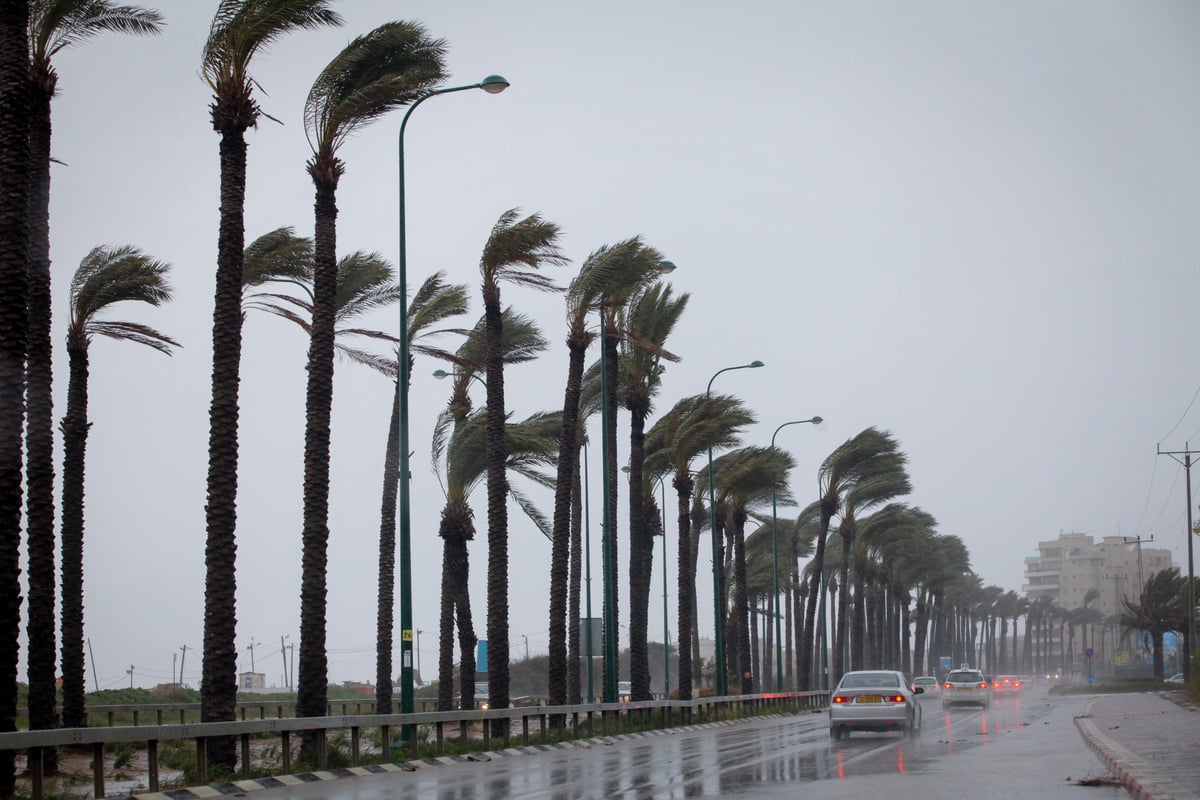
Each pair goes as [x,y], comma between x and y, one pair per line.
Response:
[896,587]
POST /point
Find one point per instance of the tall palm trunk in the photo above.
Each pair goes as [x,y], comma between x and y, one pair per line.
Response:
[805,666]
[75,433]
[560,549]
[219,673]
[40,431]
[497,505]
[686,581]
[641,554]
[846,529]
[14,243]
[574,696]
[741,604]
[609,343]
[456,529]
[311,693]
[384,613]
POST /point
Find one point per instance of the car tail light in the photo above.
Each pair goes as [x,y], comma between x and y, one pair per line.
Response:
[983,685]
[840,698]
[996,685]
[895,698]
[1017,684]
[948,686]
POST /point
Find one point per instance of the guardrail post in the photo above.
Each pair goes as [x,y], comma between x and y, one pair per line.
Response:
[441,740]
[353,746]
[245,737]
[201,761]
[34,761]
[286,740]
[98,769]
[152,763]
[525,730]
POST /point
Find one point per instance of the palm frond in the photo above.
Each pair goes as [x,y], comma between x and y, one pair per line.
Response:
[114,275]
[133,332]
[58,24]
[517,247]
[532,511]
[375,73]
[279,255]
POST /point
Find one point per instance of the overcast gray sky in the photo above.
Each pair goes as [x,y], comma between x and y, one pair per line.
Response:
[971,224]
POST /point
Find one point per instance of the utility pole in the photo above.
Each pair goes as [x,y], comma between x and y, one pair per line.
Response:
[251,649]
[130,671]
[182,659]
[1191,609]
[1141,576]
[283,654]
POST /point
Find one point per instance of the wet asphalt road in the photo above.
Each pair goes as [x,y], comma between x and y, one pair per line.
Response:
[1023,747]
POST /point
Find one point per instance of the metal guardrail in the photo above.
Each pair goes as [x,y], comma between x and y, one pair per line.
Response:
[549,718]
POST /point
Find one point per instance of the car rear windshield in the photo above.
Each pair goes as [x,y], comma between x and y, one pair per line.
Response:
[964,677]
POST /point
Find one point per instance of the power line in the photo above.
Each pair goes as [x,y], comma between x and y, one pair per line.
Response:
[1184,415]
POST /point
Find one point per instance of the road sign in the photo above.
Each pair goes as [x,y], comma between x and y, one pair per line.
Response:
[1090,652]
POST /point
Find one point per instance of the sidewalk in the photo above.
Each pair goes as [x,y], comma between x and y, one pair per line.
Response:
[1149,742]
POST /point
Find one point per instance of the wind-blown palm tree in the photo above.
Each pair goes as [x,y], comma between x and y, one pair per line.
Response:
[744,479]
[838,474]
[376,73]
[53,26]
[607,271]
[1161,608]
[646,321]
[240,29]
[106,276]
[514,251]
[693,426]
[14,290]
[462,469]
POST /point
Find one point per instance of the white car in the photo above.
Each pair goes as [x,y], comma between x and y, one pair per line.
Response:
[966,686]
[874,700]
[1176,678]
[624,691]
[926,682]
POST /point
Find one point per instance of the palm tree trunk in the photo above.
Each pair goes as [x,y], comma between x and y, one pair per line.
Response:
[560,549]
[446,631]
[612,375]
[218,696]
[311,694]
[805,666]
[40,437]
[75,433]
[843,618]
[497,507]
[14,243]
[685,580]
[641,558]
[387,563]
[574,692]
[741,606]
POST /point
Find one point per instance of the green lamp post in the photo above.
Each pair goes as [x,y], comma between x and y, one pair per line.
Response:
[718,601]
[775,562]
[492,84]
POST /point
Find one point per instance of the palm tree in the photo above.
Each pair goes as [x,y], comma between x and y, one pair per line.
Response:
[365,282]
[462,469]
[1161,608]
[375,73]
[693,426]
[14,290]
[745,479]
[647,320]
[105,277]
[607,271]
[240,29]
[839,473]
[881,479]
[515,250]
[53,26]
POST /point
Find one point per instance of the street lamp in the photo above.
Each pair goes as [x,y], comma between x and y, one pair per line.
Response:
[718,600]
[492,84]
[775,562]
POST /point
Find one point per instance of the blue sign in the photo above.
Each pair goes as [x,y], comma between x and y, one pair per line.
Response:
[481,664]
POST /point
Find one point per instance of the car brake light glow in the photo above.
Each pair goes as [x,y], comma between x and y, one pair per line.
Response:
[948,686]
[983,685]
[895,698]
[839,698]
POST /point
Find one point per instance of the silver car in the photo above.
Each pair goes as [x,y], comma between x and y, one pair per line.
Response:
[966,686]
[874,700]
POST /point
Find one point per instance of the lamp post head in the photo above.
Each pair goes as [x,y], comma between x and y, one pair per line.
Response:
[493,84]
[666,267]
[441,374]
[755,364]
[816,420]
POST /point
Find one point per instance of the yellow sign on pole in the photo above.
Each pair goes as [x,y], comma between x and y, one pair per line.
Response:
[406,635]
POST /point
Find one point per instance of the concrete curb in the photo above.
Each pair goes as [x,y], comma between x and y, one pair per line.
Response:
[1142,780]
[241,787]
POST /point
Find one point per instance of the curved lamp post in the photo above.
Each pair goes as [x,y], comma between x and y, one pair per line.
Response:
[718,602]
[492,84]
[775,562]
